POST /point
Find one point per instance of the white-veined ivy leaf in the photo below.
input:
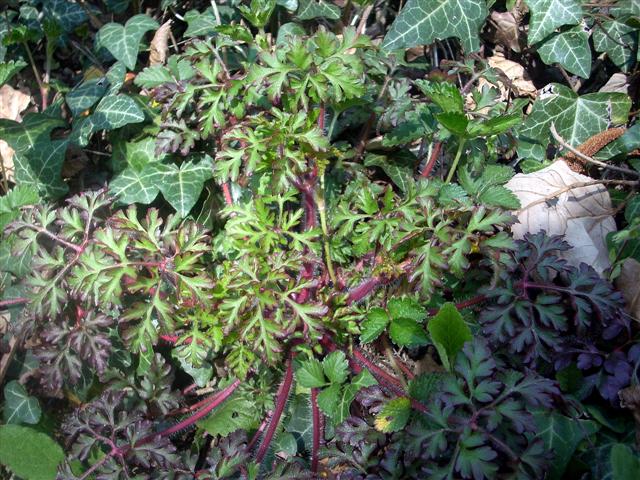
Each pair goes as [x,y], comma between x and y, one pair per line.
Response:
[420,22]
[625,7]
[561,435]
[37,159]
[86,95]
[118,6]
[9,69]
[181,185]
[310,9]
[394,415]
[234,414]
[618,40]
[399,171]
[310,374]
[407,333]
[576,118]
[200,23]
[373,325]
[136,155]
[115,77]
[335,366]
[136,186]
[300,421]
[116,111]
[570,49]
[290,5]
[123,42]
[19,406]
[67,13]
[29,454]
[547,15]
[449,332]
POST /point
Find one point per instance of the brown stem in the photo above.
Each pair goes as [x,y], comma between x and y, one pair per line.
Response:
[435,153]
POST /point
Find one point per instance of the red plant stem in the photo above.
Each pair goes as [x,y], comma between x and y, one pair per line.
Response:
[405,369]
[387,380]
[281,401]
[226,191]
[435,153]
[13,302]
[61,241]
[256,436]
[464,304]
[365,288]
[317,430]
[321,117]
[214,401]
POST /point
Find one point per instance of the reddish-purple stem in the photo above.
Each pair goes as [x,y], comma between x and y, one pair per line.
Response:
[227,194]
[464,304]
[214,401]
[281,401]
[365,288]
[12,302]
[317,430]
[435,153]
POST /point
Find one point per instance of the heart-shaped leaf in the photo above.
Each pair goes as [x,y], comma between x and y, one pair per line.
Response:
[569,49]
[547,15]
[29,454]
[420,22]
[19,407]
[123,42]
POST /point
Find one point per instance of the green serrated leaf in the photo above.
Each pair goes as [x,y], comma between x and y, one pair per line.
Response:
[420,22]
[405,332]
[310,374]
[498,196]
[373,325]
[570,49]
[28,453]
[400,173]
[336,367]
[449,332]
[547,15]
[123,42]
[234,414]
[394,415]
[18,197]
[406,307]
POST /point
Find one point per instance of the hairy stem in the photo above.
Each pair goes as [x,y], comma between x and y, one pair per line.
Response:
[281,401]
[365,288]
[317,430]
[13,302]
[435,153]
[214,401]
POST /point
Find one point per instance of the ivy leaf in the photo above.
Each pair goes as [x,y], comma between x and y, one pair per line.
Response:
[394,415]
[372,326]
[310,9]
[181,186]
[618,40]
[449,332]
[9,69]
[86,95]
[576,118]
[561,435]
[570,49]
[407,333]
[420,22]
[137,186]
[547,15]
[116,111]
[625,465]
[199,24]
[335,366]
[19,407]
[69,15]
[123,42]
[310,374]
[28,453]
[234,414]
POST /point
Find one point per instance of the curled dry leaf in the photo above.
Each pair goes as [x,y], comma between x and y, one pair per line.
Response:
[160,44]
[12,103]
[562,202]
[517,76]
[628,284]
[617,83]
[503,29]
